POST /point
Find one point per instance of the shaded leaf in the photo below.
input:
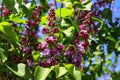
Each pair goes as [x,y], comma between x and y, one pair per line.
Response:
[42,73]
[7,29]
[60,71]
[20,70]
[73,71]
[2,55]
[10,4]
[68,32]
[107,14]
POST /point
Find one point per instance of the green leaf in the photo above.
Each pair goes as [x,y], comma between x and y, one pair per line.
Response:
[16,19]
[87,4]
[7,29]
[20,70]
[10,4]
[43,19]
[4,37]
[83,6]
[69,68]
[19,1]
[63,12]
[116,76]
[118,46]
[25,10]
[107,14]
[60,71]
[77,74]
[73,71]
[68,32]
[111,38]
[67,4]
[36,55]
[79,5]
[42,73]
[98,19]
[88,77]
[72,1]
[3,57]
[3,52]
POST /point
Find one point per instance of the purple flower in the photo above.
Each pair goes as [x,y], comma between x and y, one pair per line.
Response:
[60,46]
[45,30]
[68,52]
[55,30]
[31,23]
[51,61]
[55,52]
[50,39]
[83,33]
[36,35]
[28,63]
[24,40]
[80,47]
[45,52]
[25,32]
[76,59]
[51,23]
[42,46]
[85,44]
[27,50]
[82,26]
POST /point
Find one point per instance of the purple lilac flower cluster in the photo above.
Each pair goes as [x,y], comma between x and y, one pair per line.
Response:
[30,35]
[50,49]
[54,51]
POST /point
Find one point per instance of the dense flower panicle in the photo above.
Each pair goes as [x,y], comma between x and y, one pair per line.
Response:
[36,13]
[51,17]
[51,51]
[29,37]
